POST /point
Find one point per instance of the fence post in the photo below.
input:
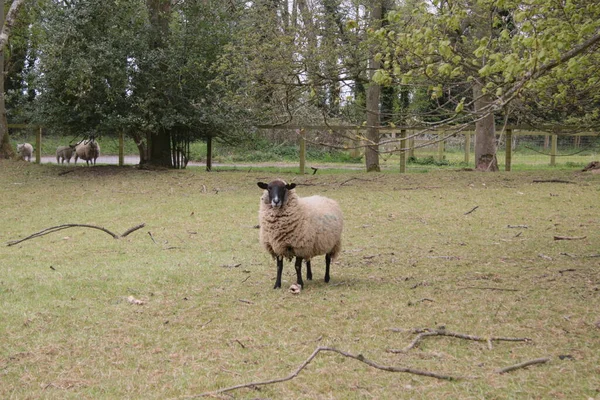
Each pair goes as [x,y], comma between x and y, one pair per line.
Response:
[467,147]
[553,151]
[300,132]
[402,151]
[121,149]
[209,153]
[38,146]
[508,149]
[441,147]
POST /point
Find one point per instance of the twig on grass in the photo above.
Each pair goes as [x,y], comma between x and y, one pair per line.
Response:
[65,226]
[294,374]
[423,333]
[488,288]
[569,237]
[471,210]
[552,181]
[523,365]
[357,179]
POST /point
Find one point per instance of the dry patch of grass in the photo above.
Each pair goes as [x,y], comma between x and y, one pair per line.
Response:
[208,318]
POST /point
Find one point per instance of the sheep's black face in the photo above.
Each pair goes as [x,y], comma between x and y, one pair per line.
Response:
[277,192]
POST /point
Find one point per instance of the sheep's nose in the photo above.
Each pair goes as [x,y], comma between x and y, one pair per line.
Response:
[275,202]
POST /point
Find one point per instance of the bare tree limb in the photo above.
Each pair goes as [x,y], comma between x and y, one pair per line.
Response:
[569,237]
[423,333]
[523,365]
[65,226]
[473,209]
[133,229]
[552,181]
[9,21]
[294,374]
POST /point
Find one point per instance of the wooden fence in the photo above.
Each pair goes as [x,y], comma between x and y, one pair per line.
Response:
[406,141]
[401,141]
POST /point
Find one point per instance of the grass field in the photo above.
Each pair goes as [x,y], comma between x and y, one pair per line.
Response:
[471,252]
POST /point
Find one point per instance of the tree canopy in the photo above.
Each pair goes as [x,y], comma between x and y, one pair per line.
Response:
[168,72]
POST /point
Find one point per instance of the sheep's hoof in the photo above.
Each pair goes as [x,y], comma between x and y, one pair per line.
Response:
[295,288]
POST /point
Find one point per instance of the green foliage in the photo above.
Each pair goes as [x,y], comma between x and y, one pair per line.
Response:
[453,44]
[104,68]
[262,150]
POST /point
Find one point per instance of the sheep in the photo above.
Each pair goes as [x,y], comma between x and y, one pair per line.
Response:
[25,151]
[88,151]
[64,153]
[301,227]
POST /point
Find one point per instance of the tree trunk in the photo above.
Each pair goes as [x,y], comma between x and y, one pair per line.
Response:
[485,133]
[209,153]
[159,142]
[373,95]
[160,149]
[138,138]
[6,150]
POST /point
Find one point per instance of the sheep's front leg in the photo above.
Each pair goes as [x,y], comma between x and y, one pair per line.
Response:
[327,263]
[299,271]
[308,270]
[279,271]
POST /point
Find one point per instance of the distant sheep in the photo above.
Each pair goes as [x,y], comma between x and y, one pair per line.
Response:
[301,227]
[25,151]
[64,153]
[88,151]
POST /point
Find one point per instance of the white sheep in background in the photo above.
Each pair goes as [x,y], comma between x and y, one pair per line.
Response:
[25,151]
[88,151]
[301,227]
[64,153]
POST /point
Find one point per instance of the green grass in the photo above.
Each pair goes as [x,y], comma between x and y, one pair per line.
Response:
[412,258]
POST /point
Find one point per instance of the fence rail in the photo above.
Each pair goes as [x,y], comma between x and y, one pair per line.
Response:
[410,143]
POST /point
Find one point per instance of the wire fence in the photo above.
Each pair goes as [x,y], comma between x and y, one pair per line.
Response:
[527,149]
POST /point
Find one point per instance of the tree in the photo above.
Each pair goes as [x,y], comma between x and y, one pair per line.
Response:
[143,67]
[6,151]
[373,97]
[500,50]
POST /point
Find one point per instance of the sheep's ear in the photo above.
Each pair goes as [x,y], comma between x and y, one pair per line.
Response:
[290,186]
[262,185]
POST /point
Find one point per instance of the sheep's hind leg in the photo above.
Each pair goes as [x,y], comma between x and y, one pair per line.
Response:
[279,271]
[327,263]
[308,270]
[299,271]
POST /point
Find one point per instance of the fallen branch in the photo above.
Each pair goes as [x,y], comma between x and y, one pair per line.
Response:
[488,288]
[294,374]
[569,237]
[523,365]
[552,181]
[473,209]
[65,226]
[419,188]
[423,333]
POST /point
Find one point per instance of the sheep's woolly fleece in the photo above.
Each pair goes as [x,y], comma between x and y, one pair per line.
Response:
[88,151]
[302,227]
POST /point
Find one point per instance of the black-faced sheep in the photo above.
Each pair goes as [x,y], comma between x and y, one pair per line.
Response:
[301,227]
[64,153]
[25,151]
[88,151]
